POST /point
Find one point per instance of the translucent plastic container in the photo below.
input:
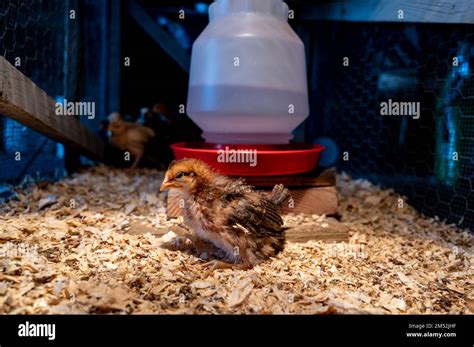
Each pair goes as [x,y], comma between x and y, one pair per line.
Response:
[248,74]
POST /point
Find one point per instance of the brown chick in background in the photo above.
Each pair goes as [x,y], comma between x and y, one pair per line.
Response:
[129,136]
[228,213]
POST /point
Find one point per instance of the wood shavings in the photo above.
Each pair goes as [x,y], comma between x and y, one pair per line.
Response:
[9,233]
[104,244]
[240,293]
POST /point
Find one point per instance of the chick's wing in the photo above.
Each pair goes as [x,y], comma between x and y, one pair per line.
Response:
[255,214]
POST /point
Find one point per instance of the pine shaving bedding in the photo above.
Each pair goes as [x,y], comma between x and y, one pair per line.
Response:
[88,244]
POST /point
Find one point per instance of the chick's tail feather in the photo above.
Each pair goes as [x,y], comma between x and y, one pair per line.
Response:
[279,194]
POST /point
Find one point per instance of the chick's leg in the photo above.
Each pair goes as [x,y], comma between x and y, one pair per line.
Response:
[137,153]
[220,265]
[138,157]
[216,265]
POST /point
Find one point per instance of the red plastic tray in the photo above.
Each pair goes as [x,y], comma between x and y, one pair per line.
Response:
[271,159]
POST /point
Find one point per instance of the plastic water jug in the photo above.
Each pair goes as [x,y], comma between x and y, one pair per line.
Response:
[248,74]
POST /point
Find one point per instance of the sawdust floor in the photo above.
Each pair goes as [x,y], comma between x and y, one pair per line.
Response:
[80,246]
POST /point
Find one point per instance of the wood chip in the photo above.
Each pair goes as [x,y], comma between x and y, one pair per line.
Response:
[129,208]
[201,284]
[239,294]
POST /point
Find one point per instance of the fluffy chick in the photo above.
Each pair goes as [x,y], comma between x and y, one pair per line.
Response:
[129,137]
[243,223]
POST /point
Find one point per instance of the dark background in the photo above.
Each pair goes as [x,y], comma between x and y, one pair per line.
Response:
[83,60]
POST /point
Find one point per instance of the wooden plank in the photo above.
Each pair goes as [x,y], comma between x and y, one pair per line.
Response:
[138,228]
[420,11]
[328,230]
[161,37]
[316,178]
[317,200]
[71,53]
[114,55]
[22,100]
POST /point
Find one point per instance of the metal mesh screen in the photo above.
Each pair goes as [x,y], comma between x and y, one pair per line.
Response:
[32,38]
[430,159]
[34,32]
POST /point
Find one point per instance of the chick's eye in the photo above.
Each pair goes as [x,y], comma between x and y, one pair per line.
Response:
[180,175]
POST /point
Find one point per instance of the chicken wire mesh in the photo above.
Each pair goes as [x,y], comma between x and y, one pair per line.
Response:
[32,38]
[429,159]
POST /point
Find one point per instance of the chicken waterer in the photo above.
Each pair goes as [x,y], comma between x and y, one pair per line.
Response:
[248,74]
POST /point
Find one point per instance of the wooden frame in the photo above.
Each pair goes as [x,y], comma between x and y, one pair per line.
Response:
[22,100]
[161,37]
[420,11]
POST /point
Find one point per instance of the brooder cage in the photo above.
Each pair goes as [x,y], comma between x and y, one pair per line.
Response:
[384,224]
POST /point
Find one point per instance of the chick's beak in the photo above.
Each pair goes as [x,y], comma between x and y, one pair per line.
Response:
[167,183]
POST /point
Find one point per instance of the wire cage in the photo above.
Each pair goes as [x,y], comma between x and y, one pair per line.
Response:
[62,47]
[86,230]
[429,157]
[32,38]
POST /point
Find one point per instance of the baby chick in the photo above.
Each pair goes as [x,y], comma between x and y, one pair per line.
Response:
[228,213]
[129,137]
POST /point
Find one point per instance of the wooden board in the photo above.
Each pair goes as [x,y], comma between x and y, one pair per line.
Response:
[328,230]
[22,100]
[318,200]
[421,11]
[318,178]
[160,36]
